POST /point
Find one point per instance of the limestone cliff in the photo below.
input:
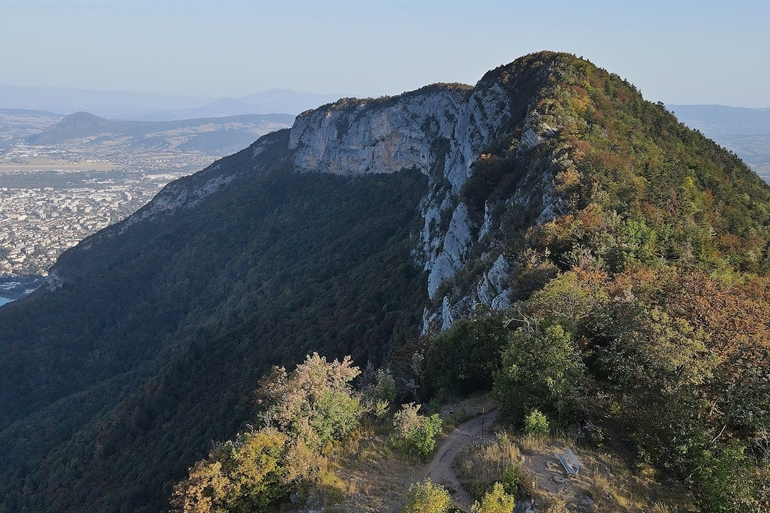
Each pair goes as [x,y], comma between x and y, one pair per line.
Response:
[442,131]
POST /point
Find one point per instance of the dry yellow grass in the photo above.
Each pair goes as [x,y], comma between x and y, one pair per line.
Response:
[604,482]
[479,466]
[531,444]
[362,474]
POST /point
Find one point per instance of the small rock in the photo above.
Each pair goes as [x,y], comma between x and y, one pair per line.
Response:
[559,479]
[524,506]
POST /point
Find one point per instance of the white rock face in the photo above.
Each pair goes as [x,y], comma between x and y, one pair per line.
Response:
[439,131]
[367,139]
[530,139]
[454,253]
[355,137]
[494,281]
[446,314]
[386,136]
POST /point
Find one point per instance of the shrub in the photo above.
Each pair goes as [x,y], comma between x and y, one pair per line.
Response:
[424,437]
[536,425]
[724,480]
[511,479]
[406,419]
[495,501]
[244,475]
[419,431]
[426,497]
[380,409]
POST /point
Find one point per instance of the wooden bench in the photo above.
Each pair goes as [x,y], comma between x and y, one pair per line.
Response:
[567,465]
[570,463]
[573,460]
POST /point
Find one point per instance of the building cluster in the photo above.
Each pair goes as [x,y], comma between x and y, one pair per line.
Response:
[118,156]
[38,224]
[94,181]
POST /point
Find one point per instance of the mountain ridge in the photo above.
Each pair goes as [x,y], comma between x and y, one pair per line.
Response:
[429,207]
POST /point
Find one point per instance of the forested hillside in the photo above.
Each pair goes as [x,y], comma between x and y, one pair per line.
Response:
[584,253]
[114,383]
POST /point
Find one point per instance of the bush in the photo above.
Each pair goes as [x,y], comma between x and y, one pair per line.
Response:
[536,425]
[419,431]
[426,497]
[496,501]
[724,480]
[244,475]
[511,479]
[406,419]
[424,437]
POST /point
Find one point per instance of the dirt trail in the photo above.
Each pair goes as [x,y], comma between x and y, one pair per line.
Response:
[441,470]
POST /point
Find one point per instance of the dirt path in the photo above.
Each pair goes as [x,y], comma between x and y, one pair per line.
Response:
[441,470]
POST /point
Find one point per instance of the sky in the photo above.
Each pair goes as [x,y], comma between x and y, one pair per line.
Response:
[677,52]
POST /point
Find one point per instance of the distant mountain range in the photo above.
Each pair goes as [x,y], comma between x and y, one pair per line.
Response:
[218,136]
[156,107]
[719,119]
[273,101]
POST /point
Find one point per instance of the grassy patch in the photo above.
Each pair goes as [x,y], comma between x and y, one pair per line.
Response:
[479,466]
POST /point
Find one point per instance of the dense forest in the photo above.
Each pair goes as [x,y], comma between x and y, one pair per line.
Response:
[639,311]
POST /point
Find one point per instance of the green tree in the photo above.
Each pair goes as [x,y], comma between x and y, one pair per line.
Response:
[463,359]
[657,365]
[314,402]
[541,369]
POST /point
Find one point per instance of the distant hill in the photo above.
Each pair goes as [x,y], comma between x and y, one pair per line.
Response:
[720,119]
[62,100]
[267,102]
[156,107]
[215,136]
[19,123]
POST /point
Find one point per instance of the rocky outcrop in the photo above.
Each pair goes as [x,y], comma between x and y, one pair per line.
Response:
[441,131]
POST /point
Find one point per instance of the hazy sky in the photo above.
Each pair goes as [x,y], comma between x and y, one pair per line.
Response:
[678,52]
